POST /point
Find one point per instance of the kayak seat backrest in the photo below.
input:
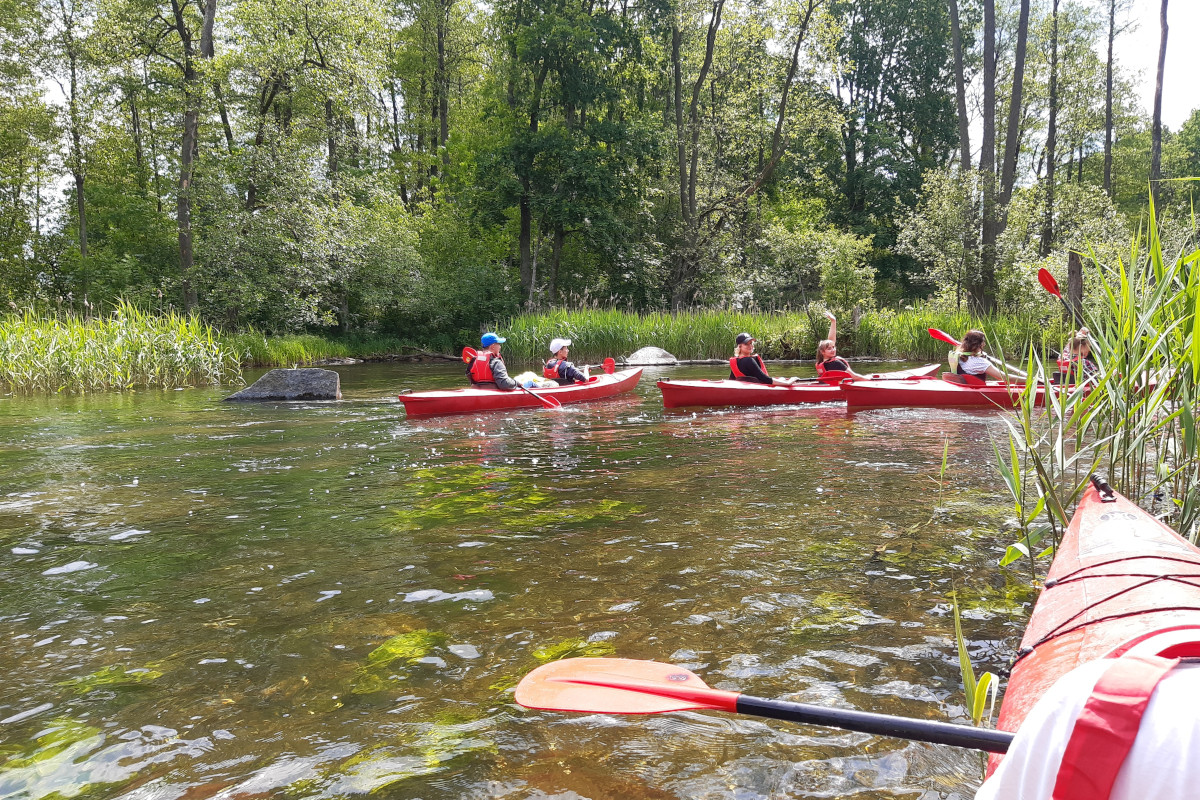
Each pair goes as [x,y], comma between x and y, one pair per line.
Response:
[963,380]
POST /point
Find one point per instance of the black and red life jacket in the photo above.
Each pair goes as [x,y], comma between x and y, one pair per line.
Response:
[733,367]
[551,369]
[821,366]
[481,367]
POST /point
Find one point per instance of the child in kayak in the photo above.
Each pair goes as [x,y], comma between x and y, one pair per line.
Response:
[827,357]
[968,358]
[559,369]
[486,369]
[1075,363]
[746,366]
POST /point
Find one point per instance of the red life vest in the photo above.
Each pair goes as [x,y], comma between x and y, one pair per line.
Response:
[551,369]
[733,367]
[1066,360]
[1104,732]
[481,367]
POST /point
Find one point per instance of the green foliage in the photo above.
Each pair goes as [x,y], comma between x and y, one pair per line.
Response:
[600,333]
[1135,419]
[128,349]
[981,693]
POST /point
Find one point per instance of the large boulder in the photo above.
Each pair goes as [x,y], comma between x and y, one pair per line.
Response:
[292,384]
[650,356]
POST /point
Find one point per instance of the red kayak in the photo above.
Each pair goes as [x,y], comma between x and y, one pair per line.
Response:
[677,394]
[471,400]
[1118,574]
[946,393]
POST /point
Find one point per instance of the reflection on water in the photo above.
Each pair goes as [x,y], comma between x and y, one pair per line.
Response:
[316,600]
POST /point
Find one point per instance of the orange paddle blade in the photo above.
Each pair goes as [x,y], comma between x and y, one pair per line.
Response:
[943,336]
[1048,283]
[467,354]
[610,366]
[619,686]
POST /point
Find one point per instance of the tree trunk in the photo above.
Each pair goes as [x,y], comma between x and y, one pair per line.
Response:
[188,144]
[984,294]
[1156,131]
[556,248]
[960,91]
[1075,285]
[443,84]
[1012,139]
[1051,135]
[1108,98]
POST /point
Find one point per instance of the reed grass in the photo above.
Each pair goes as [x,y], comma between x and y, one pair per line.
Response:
[260,350]
[1135,422]
[127,349]
[702,334]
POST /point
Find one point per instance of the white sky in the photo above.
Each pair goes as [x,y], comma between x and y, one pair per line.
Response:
[1137,51]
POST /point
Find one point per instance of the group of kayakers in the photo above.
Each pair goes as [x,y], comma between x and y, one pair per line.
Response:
[969,358]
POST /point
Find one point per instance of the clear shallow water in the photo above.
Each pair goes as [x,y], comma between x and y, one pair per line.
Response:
[319,600]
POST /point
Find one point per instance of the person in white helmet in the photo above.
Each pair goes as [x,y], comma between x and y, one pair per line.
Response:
[561,370]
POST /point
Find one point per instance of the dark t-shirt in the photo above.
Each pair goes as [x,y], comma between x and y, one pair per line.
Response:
[753,372]
[838,364]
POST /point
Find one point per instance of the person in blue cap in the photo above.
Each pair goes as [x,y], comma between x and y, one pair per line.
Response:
[486,370]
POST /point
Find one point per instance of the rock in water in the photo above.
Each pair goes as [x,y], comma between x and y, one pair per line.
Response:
[649,356]
[292,384]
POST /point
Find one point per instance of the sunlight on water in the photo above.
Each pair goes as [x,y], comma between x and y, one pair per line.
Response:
[321,600]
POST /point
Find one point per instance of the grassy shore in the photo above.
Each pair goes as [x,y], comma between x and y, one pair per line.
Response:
[125,350]
[598,333]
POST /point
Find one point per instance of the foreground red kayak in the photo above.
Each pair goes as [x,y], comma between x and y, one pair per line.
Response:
[471,400]
[677,394]
[935,394]
[1119,574]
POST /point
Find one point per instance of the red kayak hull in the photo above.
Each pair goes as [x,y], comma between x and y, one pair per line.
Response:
[472,400]
[935,394]
[679,394]
[1105,587]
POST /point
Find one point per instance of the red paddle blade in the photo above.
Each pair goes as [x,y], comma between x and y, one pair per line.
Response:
[1048,283]
[610,366]
[943,336]
[618,686]
[468,353]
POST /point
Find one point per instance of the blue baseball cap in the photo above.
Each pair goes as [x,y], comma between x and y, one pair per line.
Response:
[489,339]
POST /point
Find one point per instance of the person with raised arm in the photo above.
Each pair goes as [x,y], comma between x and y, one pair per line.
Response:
[827,357]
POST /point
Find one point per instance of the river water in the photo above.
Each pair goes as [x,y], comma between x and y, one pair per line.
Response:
[204,599]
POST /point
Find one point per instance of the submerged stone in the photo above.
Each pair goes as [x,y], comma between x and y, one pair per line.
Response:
[649,356]
[292,384]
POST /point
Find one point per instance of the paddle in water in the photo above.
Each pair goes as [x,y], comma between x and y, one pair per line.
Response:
[626,686]
[549,402]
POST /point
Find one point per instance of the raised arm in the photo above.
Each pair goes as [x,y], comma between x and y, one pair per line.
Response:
[832,326]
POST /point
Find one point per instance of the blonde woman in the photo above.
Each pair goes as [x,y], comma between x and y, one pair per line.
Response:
[827,357]
[747,366]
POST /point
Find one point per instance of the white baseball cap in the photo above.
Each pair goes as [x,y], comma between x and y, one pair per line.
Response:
[558,344]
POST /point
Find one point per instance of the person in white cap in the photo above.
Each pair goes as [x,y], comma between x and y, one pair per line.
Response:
[561,370]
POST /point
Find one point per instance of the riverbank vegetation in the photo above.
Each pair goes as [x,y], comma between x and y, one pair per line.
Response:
[421,169]
[125,350]
[598,333]
[1135,422]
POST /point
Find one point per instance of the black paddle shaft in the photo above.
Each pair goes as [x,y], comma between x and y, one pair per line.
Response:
[879,724]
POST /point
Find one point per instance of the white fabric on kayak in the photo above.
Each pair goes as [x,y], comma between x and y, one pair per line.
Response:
[1163,764]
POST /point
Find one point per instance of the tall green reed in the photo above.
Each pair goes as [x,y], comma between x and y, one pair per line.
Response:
[598,333]
[127,349]
[1135,420]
